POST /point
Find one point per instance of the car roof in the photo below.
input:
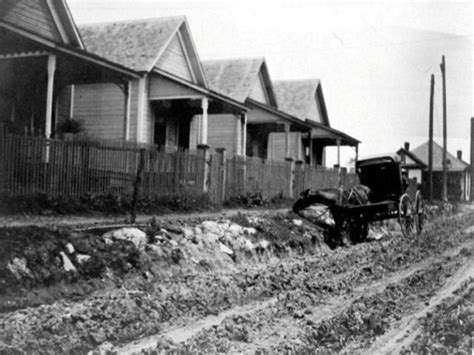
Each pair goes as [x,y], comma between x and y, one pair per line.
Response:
[379,158]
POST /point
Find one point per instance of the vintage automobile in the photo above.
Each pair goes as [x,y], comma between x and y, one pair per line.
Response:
[382,194]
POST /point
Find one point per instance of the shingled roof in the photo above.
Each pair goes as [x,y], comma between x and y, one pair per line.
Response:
[236,77]
[134,44]
[297,96]
[454,164]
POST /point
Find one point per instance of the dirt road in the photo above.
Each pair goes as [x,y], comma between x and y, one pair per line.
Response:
[291,293]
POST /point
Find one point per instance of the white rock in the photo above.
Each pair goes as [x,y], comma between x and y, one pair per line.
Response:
[248,245]
[18,268]
[67,264]
[154,248]
[210,237]
[298,222]
[469,230]
[82,258]
[225,249]
[250,230]
[377,234]
[134,235]
[211,227]
[264,244]
[108,240]
[235,229]
[70,248]
[173,243]
[188,232]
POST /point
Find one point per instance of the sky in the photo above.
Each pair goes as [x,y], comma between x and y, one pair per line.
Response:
[374,58]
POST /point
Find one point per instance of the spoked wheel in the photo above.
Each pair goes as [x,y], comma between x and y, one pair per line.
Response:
[419,212]
[406,215]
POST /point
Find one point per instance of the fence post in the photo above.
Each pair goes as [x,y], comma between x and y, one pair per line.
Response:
[343,177]
[203,153]
[299,175]
[222,173]
[85,154]
[291,192]
[3,136]
[136,184]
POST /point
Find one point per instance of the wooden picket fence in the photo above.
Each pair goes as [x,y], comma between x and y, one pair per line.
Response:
[32,165]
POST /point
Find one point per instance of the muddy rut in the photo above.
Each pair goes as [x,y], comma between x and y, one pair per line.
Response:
[296,295]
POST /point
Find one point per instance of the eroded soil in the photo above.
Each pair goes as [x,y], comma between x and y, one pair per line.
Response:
[255,283]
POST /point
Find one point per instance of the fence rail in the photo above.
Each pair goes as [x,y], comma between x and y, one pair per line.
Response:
[31,165]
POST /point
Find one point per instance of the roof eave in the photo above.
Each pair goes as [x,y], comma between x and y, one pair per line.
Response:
[345,136]
[283,115]
[71,50]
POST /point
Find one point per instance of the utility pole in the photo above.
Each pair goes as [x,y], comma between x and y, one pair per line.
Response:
[471,195]
[445,135]
[430,143]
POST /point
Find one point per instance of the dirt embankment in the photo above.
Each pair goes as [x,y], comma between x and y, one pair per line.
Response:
[264,283]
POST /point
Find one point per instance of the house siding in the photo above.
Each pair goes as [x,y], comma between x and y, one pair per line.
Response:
[174,60]
[258,92]
[222,132]
[64,104]
[33,16]
[161,87]
[277,146]
[101,108]
[315,113]
[257,115]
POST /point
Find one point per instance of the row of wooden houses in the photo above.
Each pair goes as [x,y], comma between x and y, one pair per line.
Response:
[143,82]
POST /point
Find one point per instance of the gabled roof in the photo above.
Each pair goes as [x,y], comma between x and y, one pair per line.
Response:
[302,98]
[237,77]
[49,19]
[139,44]
[454,164]
[415,161]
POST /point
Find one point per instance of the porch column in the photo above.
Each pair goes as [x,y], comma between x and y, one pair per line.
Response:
[244,134]
[357,153]
[126,110]
[141,109]
[238,135]
[310,149]
[204,120]
[287,140]
[49,95]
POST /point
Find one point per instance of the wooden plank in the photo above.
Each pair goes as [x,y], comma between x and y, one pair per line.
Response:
[32,15]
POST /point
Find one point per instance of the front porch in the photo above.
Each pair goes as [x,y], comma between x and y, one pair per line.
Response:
[36,79]
[320,137]
[185,116]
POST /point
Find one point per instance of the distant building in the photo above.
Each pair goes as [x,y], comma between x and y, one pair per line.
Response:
[416,162]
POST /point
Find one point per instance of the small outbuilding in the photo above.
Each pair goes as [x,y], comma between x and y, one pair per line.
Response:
[416,162]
